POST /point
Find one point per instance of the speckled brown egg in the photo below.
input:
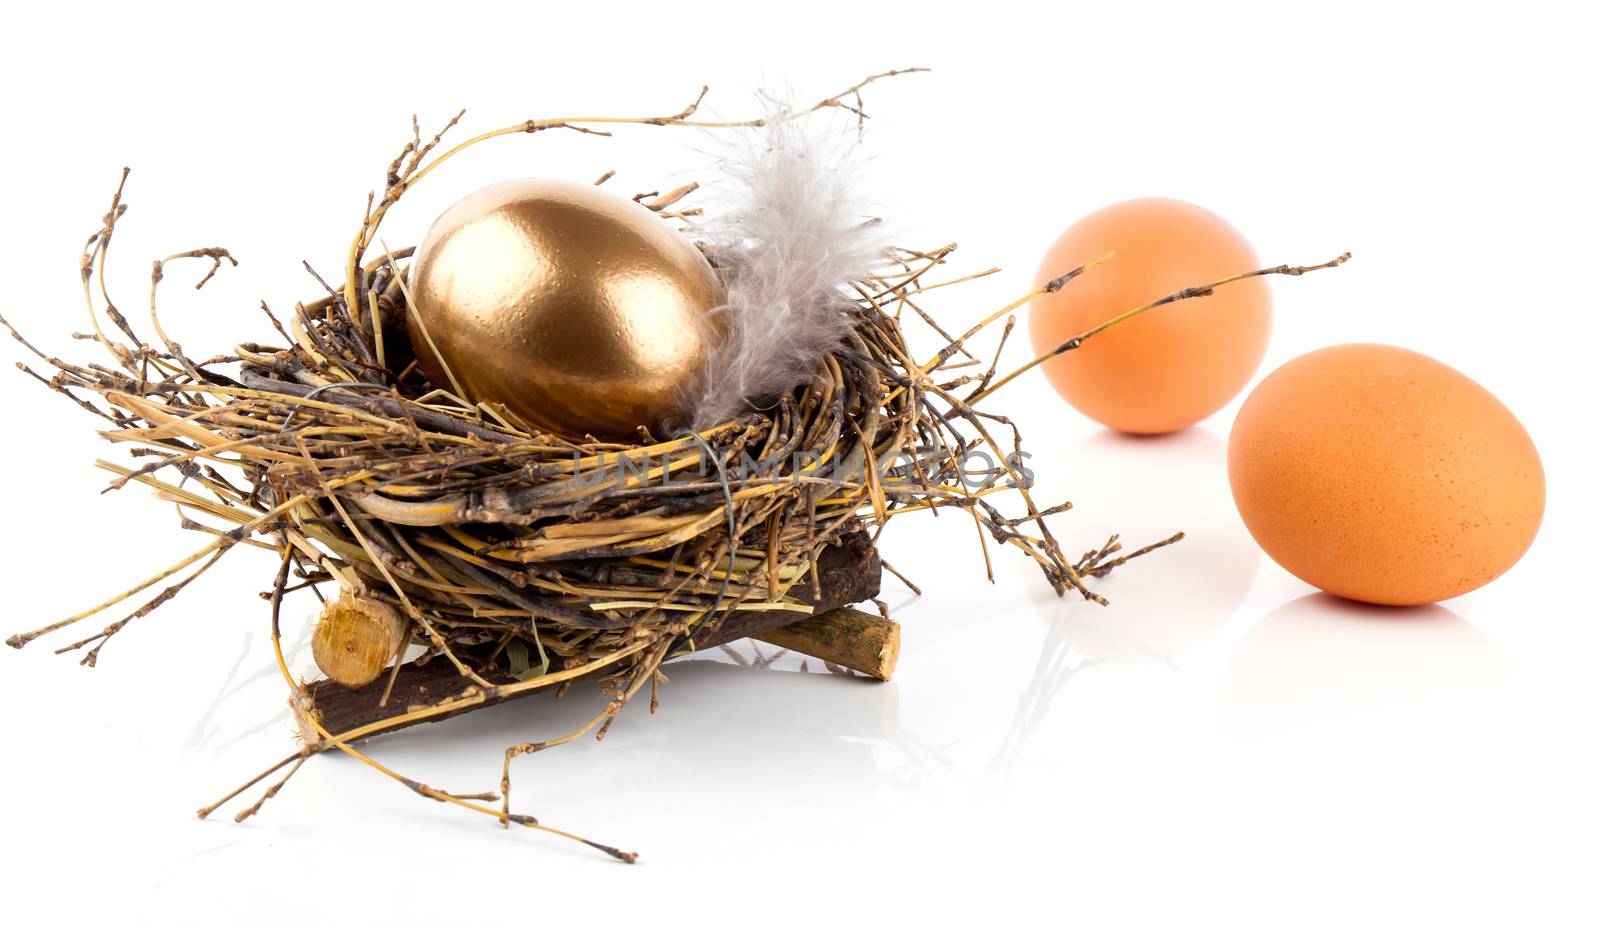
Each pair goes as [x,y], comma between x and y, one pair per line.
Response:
[1381,475]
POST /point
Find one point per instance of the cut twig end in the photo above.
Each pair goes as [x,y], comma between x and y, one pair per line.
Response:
[627,857]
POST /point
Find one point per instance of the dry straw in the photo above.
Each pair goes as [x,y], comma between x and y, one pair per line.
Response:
[520,561]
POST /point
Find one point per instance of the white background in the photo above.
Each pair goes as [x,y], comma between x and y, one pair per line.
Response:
[1220,744]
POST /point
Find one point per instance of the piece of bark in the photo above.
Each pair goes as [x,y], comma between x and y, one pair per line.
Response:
[847,572]
[862,641]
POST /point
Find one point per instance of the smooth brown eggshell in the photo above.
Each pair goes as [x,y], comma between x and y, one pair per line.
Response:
[1173,366]
[1381,475]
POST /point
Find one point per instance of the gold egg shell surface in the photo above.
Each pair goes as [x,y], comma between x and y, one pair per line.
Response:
[582,312]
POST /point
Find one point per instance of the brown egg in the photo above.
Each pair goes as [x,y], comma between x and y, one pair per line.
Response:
[580,311]
[1171,367]
[1379,474]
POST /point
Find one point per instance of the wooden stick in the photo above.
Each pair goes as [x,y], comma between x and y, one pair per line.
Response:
[356,638]
[862,641]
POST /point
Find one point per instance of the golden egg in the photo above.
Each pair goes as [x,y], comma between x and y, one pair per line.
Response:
[579,311]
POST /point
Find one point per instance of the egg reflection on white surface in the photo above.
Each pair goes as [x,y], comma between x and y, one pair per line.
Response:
[1320,671]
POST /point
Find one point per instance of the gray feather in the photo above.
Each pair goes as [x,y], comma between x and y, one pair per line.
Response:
[789,231]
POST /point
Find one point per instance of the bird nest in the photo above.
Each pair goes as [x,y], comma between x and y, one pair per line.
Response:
[487,560]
